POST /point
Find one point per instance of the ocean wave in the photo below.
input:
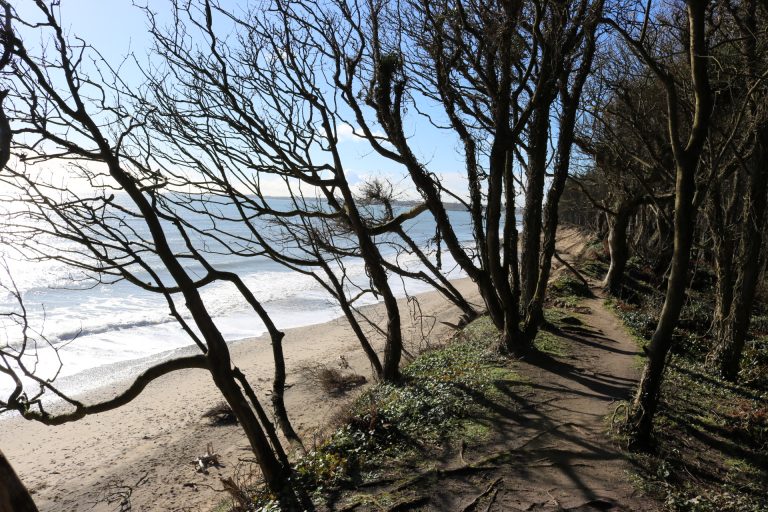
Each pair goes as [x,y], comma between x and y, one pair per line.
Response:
[73,334]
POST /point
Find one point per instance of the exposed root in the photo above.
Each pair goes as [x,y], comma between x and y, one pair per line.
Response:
[492,500]
[409,504]
[617,425]
[486,492]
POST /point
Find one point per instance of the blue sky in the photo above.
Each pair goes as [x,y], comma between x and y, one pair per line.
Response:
[117,27]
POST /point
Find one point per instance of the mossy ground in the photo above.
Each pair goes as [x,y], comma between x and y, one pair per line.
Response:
[711,445]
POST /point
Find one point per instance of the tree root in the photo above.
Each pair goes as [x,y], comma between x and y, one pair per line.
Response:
[409,504]
[485,464]
[482,495]
[492,500]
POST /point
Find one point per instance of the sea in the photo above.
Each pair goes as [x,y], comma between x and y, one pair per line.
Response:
[87,332]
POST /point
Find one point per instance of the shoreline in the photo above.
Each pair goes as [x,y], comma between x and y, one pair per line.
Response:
[146,448]
[120,374]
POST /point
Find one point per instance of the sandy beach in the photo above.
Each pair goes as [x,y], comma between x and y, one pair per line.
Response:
[146,449]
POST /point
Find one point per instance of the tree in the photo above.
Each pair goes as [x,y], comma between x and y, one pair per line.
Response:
[479,71]
[570,86]
[737,205]
[686,153]
[57,112]
[632,164]
[255,109]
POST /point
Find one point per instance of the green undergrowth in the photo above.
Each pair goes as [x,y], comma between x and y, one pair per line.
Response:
[548,343]
[567,285]
[434,406]
[711,445]
[566,292]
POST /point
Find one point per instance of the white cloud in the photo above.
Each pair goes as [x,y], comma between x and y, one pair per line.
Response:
[348,133]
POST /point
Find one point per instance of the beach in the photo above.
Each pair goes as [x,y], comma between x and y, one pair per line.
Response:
[144,451]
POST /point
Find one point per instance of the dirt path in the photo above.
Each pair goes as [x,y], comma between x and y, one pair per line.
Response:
[549,450]
[568,463]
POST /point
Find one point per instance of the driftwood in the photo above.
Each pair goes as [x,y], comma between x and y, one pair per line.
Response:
[208,459]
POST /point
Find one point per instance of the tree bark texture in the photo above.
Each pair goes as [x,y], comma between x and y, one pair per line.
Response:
[534,197]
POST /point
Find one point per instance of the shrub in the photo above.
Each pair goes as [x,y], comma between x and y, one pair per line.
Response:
[221,414]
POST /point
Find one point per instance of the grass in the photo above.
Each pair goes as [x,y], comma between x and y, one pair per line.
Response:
[390,426]
[566,292]
[548,343]
[566,285]
[711,435]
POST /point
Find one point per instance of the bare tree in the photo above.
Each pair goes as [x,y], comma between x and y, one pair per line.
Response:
[575,71]
[13,494]
[255,108]
[480,71]
[58,113]
[632,161]
[380,192]
[686,153]
[737,200]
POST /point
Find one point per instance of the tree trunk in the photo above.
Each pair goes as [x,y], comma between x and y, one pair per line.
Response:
[275,475]
[534,196]
[14,497]
[500,166]
[646,401]
[730,345]
[725,273]
[686,159]
[511,337]
[618,250]
[373,357]
[278,382]
[567,125]
[393,345]
[733,330]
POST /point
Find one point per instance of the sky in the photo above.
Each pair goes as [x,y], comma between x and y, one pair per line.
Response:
[117,28]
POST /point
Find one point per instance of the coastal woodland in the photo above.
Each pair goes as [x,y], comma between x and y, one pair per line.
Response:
[613,158]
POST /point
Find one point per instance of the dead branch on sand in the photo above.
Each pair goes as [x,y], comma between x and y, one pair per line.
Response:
[331,380]
[208,459]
